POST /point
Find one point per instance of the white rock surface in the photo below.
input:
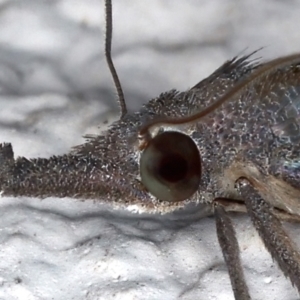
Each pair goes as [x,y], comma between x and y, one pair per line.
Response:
[55,87]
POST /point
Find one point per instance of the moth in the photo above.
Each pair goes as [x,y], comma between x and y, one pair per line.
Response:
[230,142]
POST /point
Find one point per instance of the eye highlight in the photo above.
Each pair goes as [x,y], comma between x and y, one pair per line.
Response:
[170,166]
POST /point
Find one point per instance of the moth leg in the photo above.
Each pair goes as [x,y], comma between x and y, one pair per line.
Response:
[231,252]
[269,227]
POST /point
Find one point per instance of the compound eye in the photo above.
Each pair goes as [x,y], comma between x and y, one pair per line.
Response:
[170,166]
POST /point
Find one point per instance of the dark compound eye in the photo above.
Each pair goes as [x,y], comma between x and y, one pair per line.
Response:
[170,166]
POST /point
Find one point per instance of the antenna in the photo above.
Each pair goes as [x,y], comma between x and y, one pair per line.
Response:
[108,38]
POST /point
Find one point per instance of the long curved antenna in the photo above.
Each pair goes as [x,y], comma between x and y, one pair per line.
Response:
[145,131]
[108,38]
